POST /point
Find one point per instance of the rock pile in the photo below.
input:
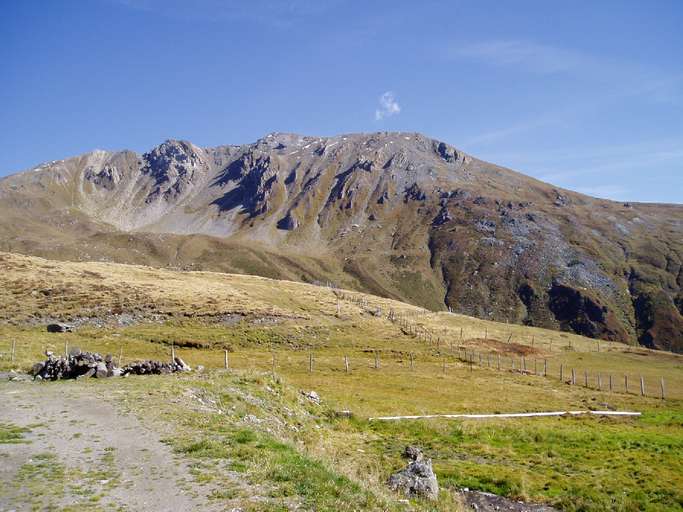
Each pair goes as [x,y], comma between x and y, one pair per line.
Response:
[81,365]
[77,365]
[418,478]
[156,367]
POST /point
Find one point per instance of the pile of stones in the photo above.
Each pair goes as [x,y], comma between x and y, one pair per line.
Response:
[156,367]
[82,365]
[76,365]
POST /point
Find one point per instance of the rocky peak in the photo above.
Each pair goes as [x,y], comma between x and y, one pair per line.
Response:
[172,165]
[171,159]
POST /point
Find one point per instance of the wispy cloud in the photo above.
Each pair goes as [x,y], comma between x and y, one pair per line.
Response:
[388,106]
[606,82]
[524,55]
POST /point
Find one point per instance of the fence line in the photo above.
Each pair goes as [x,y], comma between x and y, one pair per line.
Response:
[468,359]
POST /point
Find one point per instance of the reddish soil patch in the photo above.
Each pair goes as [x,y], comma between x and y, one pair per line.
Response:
[503,348]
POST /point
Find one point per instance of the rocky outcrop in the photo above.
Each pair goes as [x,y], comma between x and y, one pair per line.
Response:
[172,166]
[578,312]
[417,479]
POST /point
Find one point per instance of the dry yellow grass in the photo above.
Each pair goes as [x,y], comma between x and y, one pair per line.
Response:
[294,315]
[295,321]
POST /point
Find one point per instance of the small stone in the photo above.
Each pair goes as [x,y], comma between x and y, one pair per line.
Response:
[312,396]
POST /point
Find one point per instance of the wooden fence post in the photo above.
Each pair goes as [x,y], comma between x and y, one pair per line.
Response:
[661,384]
[172,352]
[610,382]
[225,359]
[376,360]
[545,367]
[573,377]
[535,366]
[461,334]
[14,350]
[585,378]
[498,361]
[533,337]
[642,386]
[346,364]
[509,337]
[310,362]
[626,383]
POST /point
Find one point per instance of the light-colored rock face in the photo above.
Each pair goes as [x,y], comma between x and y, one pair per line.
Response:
[397,214]
[180,188]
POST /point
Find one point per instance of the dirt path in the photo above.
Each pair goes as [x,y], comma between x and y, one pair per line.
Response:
[81,451]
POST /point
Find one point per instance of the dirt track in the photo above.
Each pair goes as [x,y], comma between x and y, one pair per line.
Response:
[82,450]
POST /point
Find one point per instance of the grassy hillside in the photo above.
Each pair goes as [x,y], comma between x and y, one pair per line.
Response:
[283,337]
[398,215]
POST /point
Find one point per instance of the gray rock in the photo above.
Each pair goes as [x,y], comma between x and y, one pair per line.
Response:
[37,369]
[413,453]
[312,396]
[87,374]
[59,327]
[101,370]
[416,480]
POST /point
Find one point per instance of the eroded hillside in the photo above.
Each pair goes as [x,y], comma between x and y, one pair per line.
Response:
[395,214]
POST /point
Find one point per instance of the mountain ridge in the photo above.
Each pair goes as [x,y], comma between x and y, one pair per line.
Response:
[394,213]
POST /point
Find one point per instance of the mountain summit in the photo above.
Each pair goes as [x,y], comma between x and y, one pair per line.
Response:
[396,214]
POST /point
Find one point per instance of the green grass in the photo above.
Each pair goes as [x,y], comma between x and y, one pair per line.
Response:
[584,463]
[301,454]
[571,463]
[12,434]
[261,458]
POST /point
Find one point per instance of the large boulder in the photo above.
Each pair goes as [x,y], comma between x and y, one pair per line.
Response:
[418,478]
[59,327]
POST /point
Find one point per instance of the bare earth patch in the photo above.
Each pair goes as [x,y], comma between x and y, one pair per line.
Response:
[80,450]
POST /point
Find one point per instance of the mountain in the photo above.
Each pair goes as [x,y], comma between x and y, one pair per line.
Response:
[395,214]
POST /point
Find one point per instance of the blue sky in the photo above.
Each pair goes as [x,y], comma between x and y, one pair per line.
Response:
[586,95]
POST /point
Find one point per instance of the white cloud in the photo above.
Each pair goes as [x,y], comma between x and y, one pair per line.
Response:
[388,106]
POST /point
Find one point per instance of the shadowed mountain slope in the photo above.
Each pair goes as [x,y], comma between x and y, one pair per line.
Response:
[395,214]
